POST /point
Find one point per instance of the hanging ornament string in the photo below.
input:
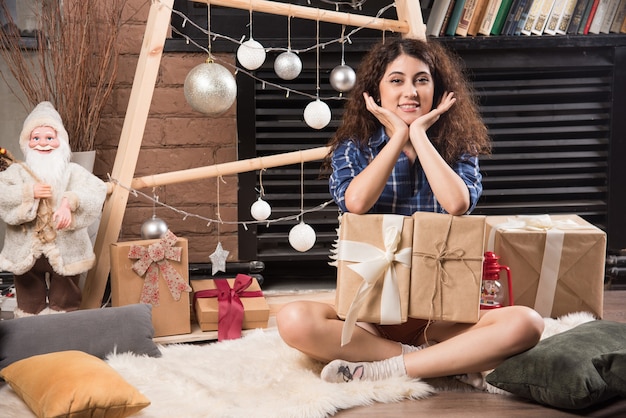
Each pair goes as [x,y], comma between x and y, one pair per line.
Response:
[260,210]
[218,258]
[302,236]
[342,77]
[302,186]
[288,65]
[154,227]
[317,113]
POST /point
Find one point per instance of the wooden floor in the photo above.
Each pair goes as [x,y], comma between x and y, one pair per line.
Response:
[485,405]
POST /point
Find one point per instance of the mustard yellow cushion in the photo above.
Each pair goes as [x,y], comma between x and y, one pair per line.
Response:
[72,384]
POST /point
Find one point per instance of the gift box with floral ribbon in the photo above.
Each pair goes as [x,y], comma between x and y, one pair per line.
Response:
[447,266]
[373,259]
[557,262]
[229,305]
[154,271]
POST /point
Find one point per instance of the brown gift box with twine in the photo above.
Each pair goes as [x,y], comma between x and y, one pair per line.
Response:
[446,269]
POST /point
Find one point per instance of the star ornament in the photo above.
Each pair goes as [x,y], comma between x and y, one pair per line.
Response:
[218,259]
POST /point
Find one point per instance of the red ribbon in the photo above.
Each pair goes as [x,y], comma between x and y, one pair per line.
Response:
[230,308]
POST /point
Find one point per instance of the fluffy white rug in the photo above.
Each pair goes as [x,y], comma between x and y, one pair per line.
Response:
[255,376]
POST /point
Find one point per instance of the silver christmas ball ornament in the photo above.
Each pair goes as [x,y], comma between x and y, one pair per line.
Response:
[317,114]
[302,237]
[342,78]
[288,65]
[153,228]
[260,210]
[251,54]
[210,89]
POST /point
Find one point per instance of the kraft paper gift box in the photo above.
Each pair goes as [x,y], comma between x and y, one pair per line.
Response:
[557,262]
[208,304]
[373,259]
[154,271]
[446,270]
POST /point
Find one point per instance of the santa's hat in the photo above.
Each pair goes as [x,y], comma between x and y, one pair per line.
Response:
[44,114]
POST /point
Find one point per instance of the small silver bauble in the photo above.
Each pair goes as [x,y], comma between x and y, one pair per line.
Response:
[317,114]
[342,78]
[153,228]
[302,237]
[210,88]
[260,210]
[288,65]
[251,54]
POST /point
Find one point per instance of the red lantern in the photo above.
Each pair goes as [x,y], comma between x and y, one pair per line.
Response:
[491,296]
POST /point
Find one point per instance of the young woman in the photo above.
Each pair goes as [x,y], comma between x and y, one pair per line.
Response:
[410,140]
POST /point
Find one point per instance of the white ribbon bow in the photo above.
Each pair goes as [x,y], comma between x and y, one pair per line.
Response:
[374,264]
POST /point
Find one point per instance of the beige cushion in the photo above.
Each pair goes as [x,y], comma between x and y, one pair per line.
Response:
[72,384]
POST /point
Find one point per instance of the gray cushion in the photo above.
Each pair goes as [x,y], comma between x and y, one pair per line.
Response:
[94,331]
[560,372]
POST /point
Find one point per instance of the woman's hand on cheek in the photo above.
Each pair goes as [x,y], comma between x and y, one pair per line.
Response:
[427,120]
[392,123]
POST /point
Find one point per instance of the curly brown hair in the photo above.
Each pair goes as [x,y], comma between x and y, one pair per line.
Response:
[460,130]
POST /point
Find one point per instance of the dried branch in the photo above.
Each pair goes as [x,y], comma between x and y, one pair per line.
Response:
[74,64]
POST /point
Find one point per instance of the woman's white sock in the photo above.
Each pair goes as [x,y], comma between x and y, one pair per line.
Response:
[338,371]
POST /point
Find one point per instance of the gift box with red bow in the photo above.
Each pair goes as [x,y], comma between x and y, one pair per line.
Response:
[154,271]
[229,305]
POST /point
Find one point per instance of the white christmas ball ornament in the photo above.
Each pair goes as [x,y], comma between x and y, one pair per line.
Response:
[317,114]
[153,228]
[342,78]
[288,65]
[210,89]
[302,237]
[251,54]
[260,210]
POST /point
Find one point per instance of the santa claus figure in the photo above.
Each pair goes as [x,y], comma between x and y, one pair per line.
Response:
[47,203]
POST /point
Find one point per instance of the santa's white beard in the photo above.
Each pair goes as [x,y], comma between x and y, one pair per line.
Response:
[51,168]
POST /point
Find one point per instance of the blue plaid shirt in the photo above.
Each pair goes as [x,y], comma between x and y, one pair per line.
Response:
[407,190]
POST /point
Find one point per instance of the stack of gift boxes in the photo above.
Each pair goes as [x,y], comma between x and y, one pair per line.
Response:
[156,271]
[389,268]
[429,265]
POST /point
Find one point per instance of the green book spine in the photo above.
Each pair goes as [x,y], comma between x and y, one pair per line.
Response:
[455,17]
[503,12]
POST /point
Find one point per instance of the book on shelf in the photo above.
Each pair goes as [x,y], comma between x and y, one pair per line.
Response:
[477,18]
[446,19]
[542,19]
[619,17]
[555,17]
[455,16]
[577,16]
[588,18]
[566,17]
[517,14]
[466,17]
[531,18]
[598,17]
[623,28]
[609,15]
[500,20]
[488,20]
[436,17]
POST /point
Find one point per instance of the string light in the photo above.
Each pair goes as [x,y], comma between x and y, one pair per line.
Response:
[184,214]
